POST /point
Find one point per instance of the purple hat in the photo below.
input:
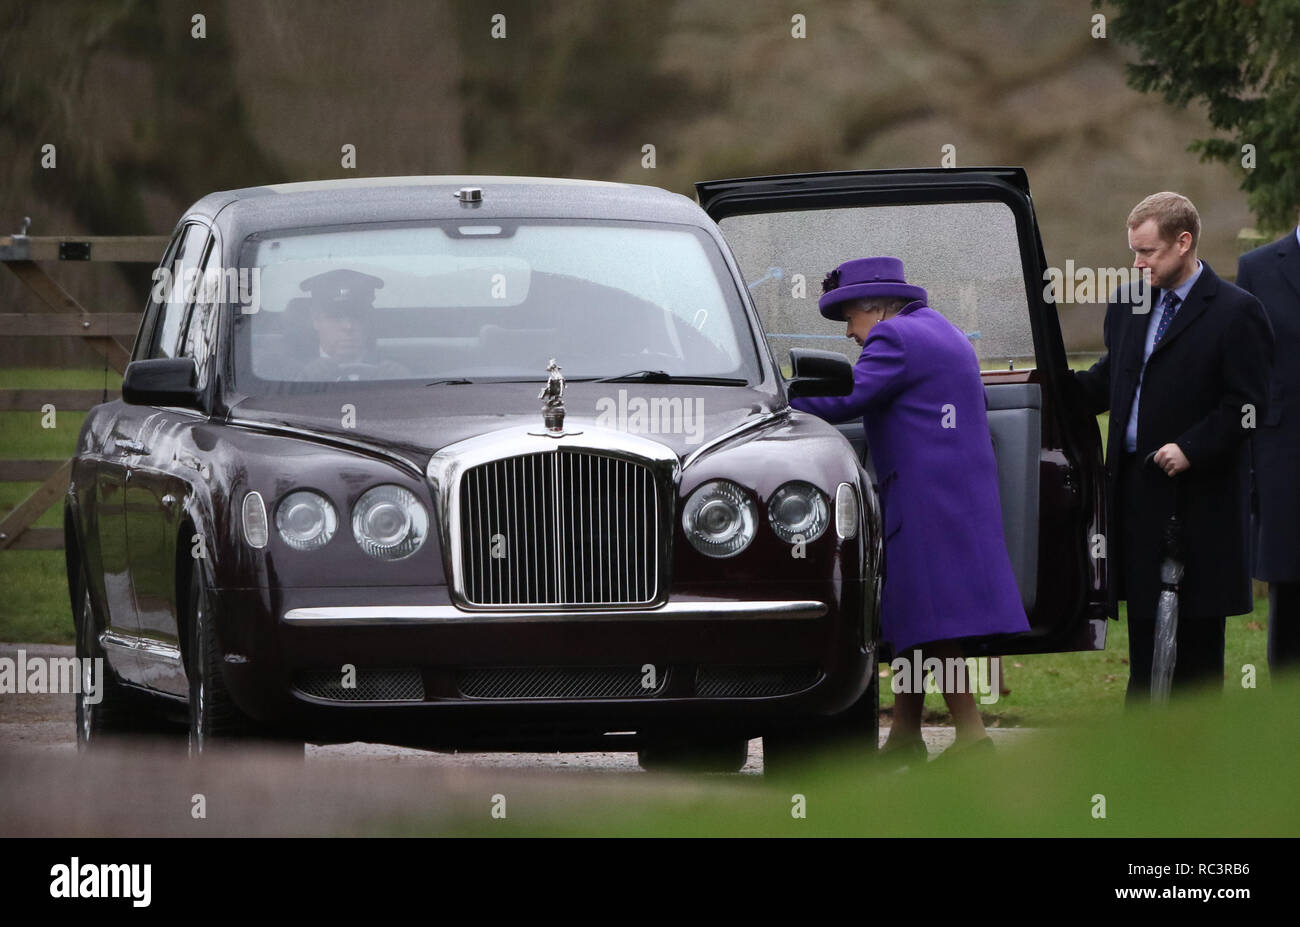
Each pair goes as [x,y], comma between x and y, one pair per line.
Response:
[865,278]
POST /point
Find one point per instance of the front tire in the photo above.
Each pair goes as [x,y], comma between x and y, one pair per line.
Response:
[215,721]
[854,731]
[213,716]
[693,755]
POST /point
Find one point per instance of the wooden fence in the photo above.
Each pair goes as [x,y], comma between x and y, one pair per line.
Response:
[61,317]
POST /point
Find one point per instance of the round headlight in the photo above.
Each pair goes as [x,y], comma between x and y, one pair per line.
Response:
[389,522]
[305,520]
[796,510]
[719,519]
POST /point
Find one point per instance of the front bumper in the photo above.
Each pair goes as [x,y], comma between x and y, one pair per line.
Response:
[513,678]
[398,616]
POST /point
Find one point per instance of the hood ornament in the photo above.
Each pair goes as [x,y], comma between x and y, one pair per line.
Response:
[553,405]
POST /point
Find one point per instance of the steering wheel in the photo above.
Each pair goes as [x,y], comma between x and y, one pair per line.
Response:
[357,370]
[653,358]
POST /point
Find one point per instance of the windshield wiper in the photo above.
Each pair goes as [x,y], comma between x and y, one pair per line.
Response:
[663,376]
[450,381]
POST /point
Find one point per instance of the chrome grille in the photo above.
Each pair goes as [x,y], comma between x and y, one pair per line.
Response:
[560,528]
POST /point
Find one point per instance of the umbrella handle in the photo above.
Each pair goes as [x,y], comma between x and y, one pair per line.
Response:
[1149,460]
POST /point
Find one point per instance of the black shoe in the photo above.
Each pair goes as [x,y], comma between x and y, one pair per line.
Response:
[897,754]
[981,747]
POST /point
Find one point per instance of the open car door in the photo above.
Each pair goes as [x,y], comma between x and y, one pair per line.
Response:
[969,237]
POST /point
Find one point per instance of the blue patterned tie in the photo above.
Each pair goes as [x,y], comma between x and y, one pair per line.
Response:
[1170,303]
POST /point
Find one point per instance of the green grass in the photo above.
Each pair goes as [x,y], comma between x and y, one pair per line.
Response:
[1066,688]
[22,435]
[1200,766]
[34,608]
[13,493]
[58,378]
[34,604]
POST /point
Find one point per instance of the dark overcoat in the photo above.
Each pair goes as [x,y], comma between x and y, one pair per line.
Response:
[1272,275]
[1204,388]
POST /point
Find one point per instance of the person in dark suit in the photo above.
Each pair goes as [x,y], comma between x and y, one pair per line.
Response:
[1272,274]
[1184,377]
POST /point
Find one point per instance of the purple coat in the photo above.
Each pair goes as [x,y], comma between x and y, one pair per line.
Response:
[947,573]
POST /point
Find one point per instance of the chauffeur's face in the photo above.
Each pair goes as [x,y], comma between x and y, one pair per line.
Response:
[341,330]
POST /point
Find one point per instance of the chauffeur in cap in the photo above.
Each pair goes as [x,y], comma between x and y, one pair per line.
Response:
[342,308]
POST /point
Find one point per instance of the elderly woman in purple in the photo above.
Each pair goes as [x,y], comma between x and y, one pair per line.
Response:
[947,573]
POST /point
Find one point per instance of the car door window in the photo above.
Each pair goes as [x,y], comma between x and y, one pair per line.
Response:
[177,287]
[157,299]
[965,255]
[201,331]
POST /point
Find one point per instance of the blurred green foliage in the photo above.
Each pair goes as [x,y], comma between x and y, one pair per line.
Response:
[1241,59]
[1201,766]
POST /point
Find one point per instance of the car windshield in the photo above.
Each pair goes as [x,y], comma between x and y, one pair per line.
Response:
[483,301]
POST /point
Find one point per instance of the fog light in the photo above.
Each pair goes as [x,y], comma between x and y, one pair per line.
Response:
[255,526]
[846,512]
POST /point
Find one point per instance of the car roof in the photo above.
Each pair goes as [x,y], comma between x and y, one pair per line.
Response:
[391,199]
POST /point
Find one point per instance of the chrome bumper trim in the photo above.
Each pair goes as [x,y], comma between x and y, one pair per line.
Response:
[379,616]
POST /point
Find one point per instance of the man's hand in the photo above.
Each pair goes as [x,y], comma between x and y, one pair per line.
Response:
[1171,459]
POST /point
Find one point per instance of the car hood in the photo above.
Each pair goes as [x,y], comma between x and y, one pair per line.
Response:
[418,422]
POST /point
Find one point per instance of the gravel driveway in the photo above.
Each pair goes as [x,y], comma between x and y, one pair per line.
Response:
[46,788]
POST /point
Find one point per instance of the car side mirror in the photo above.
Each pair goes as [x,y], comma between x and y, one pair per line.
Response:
[818,373]
[164,381]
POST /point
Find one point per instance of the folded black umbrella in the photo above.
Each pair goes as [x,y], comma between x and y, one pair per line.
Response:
[1171,575]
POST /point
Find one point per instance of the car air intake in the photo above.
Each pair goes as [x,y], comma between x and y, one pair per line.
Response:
[372,685]
[562,528]
[557,682]
[753,681]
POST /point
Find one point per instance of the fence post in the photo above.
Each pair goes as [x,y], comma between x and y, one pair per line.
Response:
[20,253]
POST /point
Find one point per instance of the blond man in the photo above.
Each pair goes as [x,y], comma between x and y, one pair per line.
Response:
[1185,379]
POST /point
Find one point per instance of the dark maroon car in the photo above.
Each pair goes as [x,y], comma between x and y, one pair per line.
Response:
[507,463]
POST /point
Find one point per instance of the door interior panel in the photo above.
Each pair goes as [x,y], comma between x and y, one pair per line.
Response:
[1015,414]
